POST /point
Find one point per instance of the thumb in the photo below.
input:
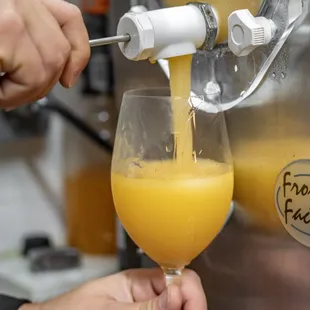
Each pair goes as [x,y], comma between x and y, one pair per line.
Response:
[170,299]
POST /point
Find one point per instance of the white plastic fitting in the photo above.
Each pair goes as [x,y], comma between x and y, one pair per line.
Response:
[246,32]
[138,9]
[163,33]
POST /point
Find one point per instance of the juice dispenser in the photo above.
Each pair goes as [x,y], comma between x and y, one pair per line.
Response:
[251,60]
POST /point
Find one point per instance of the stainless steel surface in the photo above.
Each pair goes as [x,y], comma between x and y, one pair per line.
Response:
[109,40]
[254,264]
[246,269]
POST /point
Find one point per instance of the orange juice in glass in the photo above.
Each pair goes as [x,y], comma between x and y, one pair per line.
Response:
[172,177]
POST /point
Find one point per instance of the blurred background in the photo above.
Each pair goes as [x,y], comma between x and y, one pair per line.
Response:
[58,227]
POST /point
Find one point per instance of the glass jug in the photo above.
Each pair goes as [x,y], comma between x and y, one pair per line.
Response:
[91,219]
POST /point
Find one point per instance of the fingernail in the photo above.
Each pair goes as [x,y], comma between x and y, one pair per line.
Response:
[74,78]
[163,300]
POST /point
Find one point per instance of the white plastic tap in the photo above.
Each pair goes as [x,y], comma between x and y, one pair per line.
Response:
[247,32]
[163,33]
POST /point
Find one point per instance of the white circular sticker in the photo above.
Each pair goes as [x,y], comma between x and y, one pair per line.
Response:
[292,198]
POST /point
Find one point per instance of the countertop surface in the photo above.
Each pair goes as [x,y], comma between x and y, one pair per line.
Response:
[17,280]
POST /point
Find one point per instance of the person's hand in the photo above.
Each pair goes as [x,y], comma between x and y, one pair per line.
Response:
[141,289]
[42,42]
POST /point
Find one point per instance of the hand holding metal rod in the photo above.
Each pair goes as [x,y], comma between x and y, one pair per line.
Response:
[109,40]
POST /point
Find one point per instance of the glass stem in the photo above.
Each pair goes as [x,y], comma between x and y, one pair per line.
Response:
[173,275]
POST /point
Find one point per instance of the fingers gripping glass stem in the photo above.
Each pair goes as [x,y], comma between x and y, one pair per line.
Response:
[173,276]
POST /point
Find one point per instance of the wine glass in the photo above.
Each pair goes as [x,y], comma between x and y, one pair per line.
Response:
[172,176]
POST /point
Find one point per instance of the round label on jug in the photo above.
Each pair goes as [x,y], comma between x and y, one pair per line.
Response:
[292,198]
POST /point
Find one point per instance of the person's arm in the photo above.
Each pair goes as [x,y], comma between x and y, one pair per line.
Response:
[10,303]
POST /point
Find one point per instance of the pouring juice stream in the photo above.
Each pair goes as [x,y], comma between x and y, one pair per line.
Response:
[173,209]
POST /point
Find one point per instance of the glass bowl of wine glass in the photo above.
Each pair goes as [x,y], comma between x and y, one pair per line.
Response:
[172,176]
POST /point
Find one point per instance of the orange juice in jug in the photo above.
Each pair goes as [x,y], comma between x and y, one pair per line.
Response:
[90,212]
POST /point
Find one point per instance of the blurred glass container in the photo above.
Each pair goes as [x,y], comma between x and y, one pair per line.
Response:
[91,217]
[95,7]
[98,74]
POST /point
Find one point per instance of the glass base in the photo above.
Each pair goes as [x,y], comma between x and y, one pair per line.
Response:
[173,275]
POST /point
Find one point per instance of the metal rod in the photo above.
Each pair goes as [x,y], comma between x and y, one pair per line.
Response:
[109,40]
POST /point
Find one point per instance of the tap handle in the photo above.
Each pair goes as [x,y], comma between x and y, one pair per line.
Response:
[247,32]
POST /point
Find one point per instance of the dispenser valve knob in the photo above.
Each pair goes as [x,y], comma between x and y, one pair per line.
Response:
[247,32]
